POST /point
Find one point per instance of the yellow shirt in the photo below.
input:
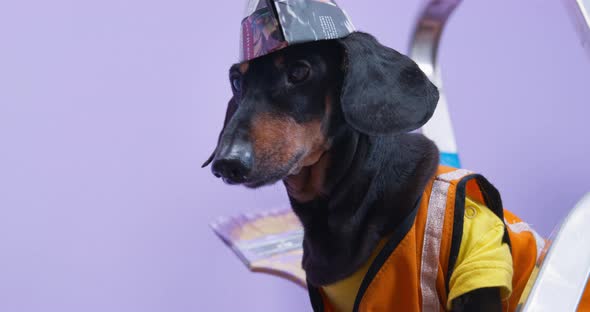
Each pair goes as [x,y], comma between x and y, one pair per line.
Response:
[483,261]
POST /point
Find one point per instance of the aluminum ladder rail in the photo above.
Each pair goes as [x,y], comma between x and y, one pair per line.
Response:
[424,51]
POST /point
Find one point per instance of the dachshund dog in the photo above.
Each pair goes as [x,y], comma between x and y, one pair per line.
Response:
[333,120]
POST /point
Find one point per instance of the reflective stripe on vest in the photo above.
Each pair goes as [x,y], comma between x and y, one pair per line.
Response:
[432,237]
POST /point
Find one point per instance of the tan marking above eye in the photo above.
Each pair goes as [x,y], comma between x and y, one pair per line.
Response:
[244,67]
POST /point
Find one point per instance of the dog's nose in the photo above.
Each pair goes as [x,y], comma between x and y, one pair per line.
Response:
[235,165]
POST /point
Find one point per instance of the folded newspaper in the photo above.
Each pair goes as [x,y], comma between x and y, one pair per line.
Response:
[271,25]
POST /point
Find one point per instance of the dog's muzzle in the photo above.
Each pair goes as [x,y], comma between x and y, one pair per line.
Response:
[234,163]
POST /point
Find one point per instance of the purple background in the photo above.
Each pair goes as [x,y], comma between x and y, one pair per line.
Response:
[108,108]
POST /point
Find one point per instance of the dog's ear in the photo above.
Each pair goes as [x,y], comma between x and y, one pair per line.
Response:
[232,106]
[383,92]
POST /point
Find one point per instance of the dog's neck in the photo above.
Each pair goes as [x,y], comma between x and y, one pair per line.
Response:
[356,194]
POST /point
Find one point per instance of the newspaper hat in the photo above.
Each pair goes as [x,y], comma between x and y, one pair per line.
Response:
[271,25]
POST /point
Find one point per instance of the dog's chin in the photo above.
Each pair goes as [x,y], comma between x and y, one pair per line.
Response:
[266,180]
[258,184]
[270,178]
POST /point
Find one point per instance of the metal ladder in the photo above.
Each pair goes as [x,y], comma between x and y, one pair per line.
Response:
[564,267]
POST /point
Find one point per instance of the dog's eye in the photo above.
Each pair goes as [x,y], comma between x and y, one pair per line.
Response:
[236,84]
[298,72]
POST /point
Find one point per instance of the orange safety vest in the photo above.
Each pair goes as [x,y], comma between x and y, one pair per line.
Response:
[413,269]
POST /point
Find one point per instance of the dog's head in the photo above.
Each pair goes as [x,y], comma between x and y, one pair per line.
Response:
[287,105]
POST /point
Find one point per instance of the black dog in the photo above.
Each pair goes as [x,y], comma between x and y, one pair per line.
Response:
[331,119]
